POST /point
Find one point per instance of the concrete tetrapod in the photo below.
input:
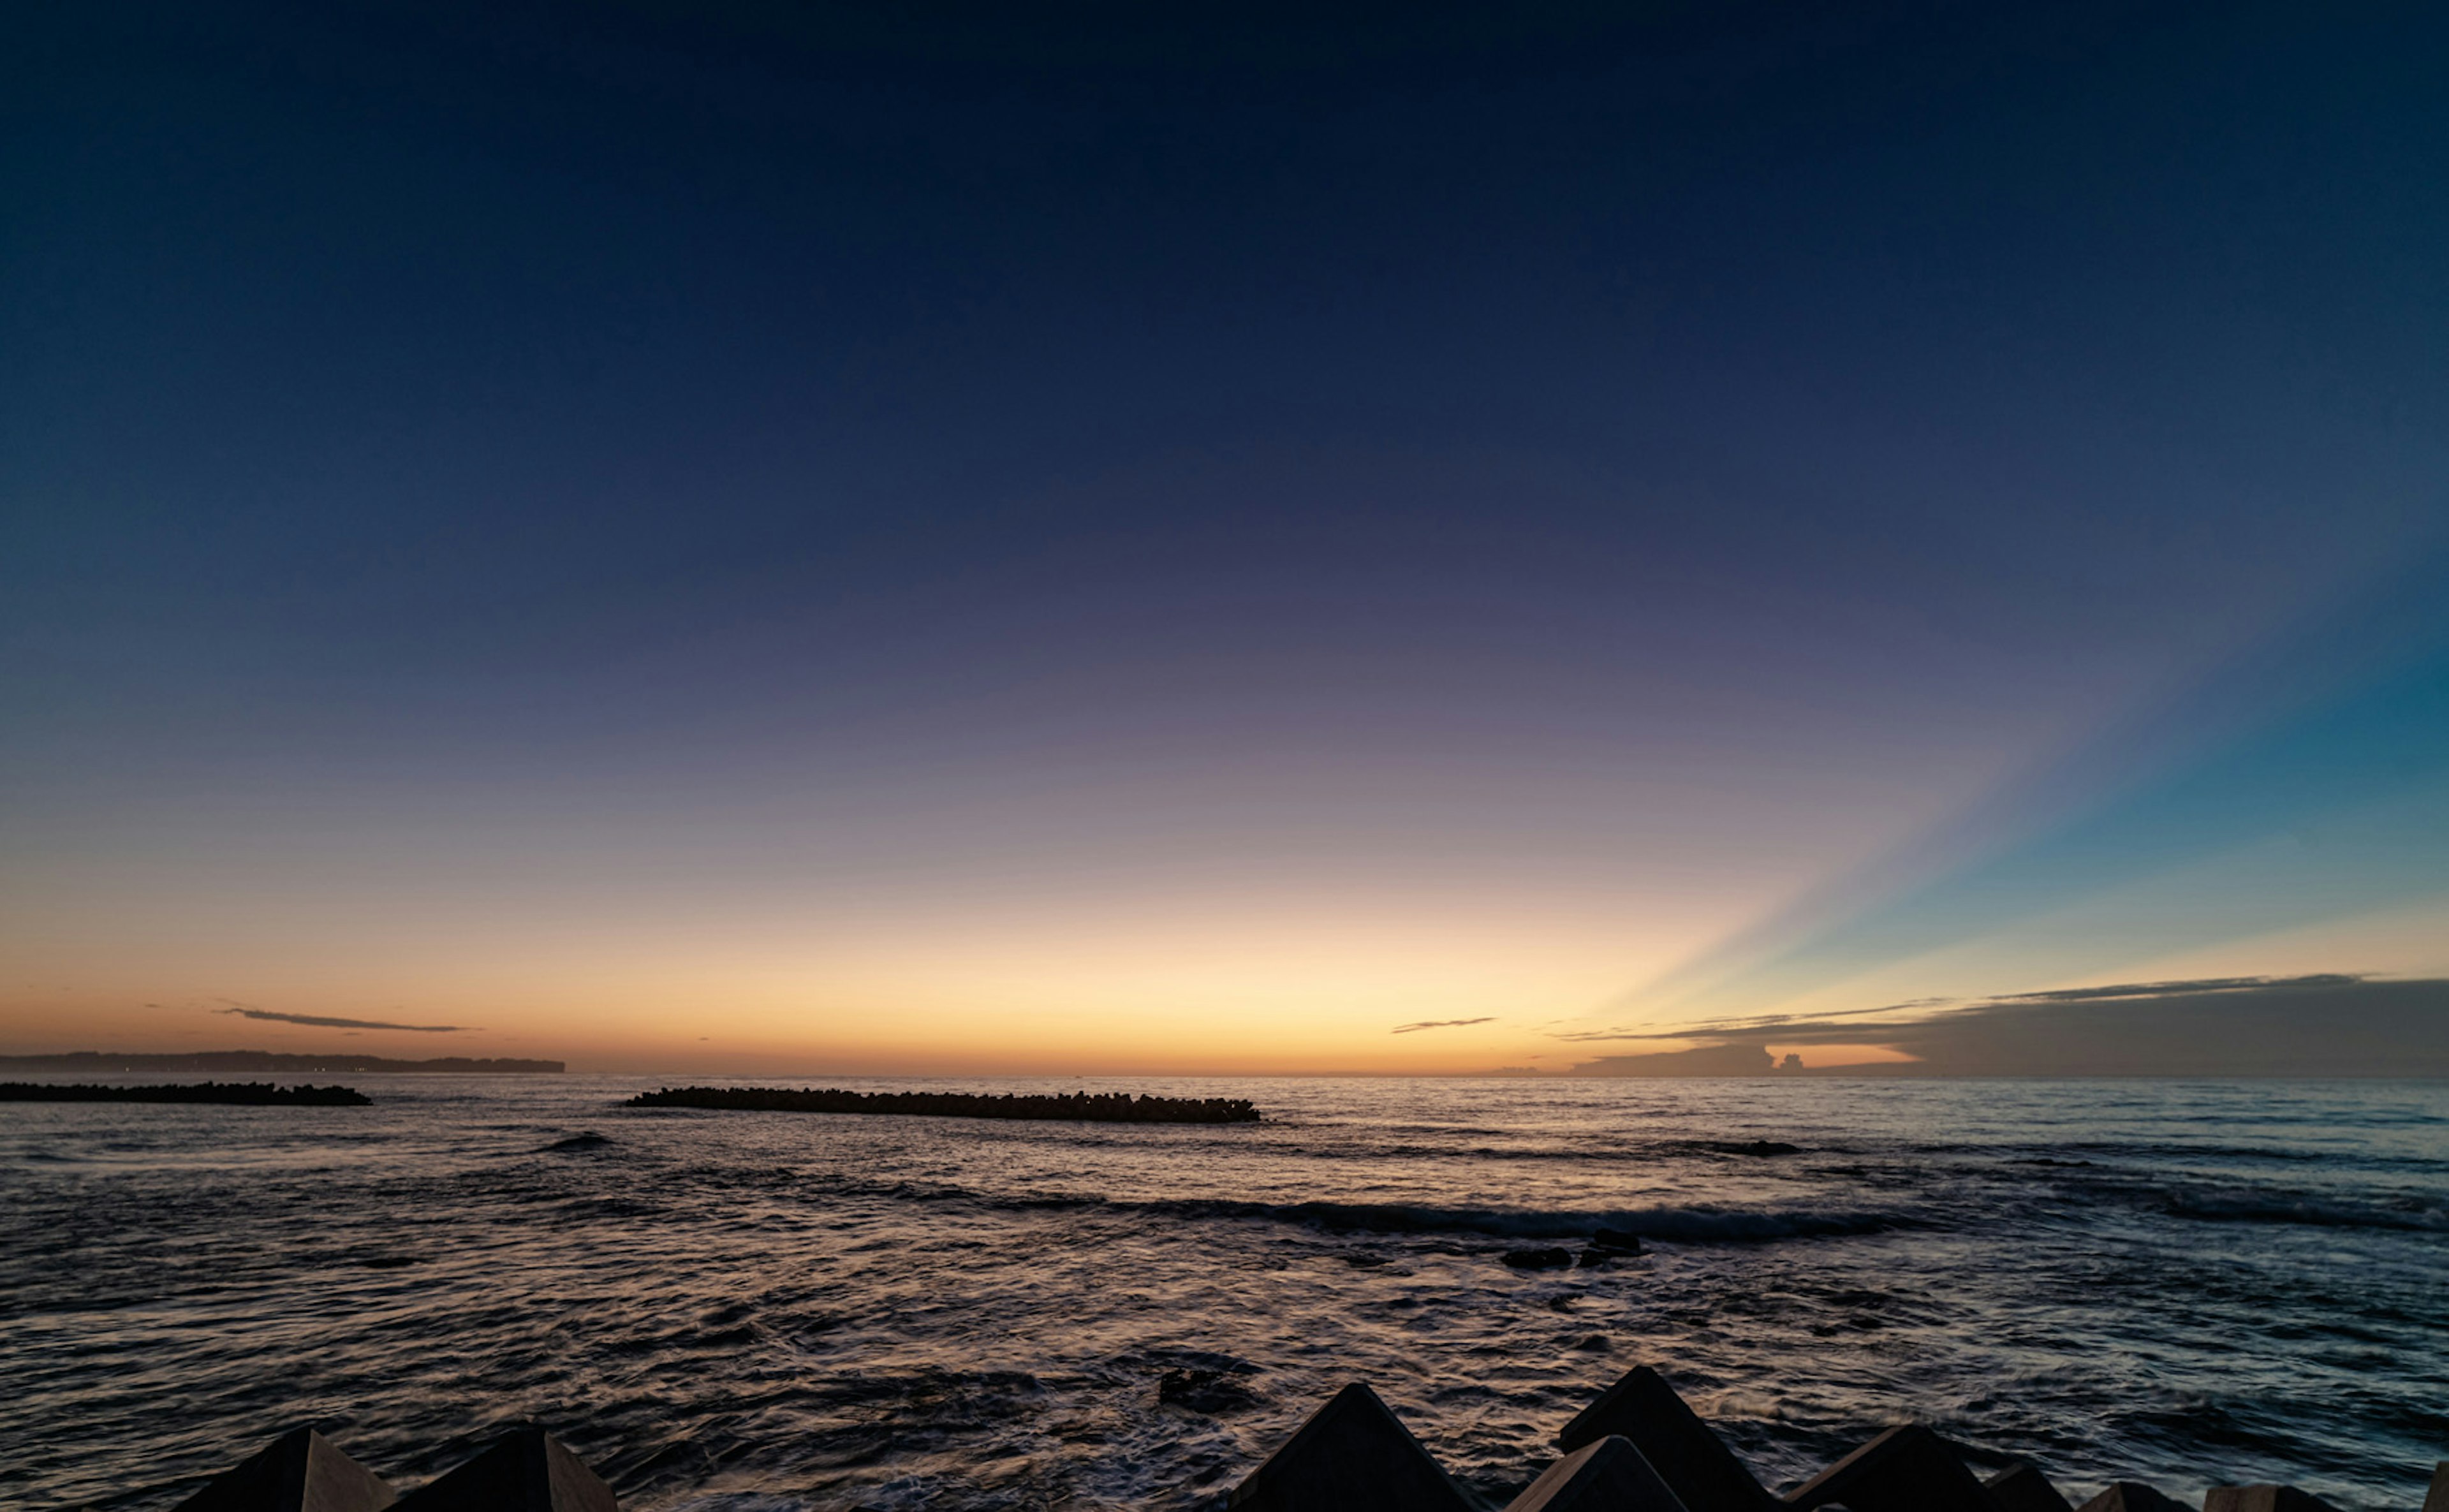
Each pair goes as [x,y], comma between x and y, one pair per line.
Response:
[2132,1496]
[2022,1488]
[300,1471]
[527,1470]
[1608,1476]
[1353,1455]
[2262,1498]
[1905,1469]
[1686,1453]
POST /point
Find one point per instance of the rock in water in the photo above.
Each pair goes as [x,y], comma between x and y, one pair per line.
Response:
[1611,1244]
[300,1471]
[2024,1488]
[1551,1259]
[1608,1476]
[1202,1390]
[2437,1500]
[2133,1496]
[524,1472]
[1697,1466]
[1905,1469]
[2262,1499]
[1353,1455]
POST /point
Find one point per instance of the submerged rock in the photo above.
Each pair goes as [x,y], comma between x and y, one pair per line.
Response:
[581,1142]
[1548,1259]
[300,1471]
[1611,1244]
[1203,1391]
[1608,1476]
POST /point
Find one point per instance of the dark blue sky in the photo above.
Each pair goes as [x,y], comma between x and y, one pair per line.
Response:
[493,490]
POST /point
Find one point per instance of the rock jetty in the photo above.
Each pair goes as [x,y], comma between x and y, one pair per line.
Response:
[235,1094]
[1085,1107]
[1639,1449]
[1696,1464]
[529,1470]
[300,1471]
[1608,1476]
[2024,1488]
[1352,1454]
[1636,1448]
[525,1470]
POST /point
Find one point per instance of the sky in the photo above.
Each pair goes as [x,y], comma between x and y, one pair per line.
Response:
[940,541]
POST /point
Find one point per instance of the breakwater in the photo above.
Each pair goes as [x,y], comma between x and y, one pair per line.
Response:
[232,1094]
[1080,1107]
[525,1470]
[1637,1446]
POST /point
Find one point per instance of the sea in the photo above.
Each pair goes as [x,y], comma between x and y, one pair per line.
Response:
[2184,1283]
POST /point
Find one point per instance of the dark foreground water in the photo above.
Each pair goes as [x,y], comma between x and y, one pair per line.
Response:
[2183,1283]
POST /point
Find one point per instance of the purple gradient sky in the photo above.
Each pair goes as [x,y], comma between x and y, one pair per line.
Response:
[725,539]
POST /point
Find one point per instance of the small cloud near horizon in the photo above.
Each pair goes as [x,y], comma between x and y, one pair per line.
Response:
[322,1022]
[1768,1023]
[1441,1023]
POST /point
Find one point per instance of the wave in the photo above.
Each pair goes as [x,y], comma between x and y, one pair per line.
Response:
[1670,1225]
[1673,1225]
[2262,1208]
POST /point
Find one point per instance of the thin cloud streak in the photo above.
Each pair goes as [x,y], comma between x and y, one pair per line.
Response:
[1441,1023]
[321,1021]
[1755,1024]
[2160,989]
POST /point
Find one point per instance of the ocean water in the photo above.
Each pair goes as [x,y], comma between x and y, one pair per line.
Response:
[2186,1283]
